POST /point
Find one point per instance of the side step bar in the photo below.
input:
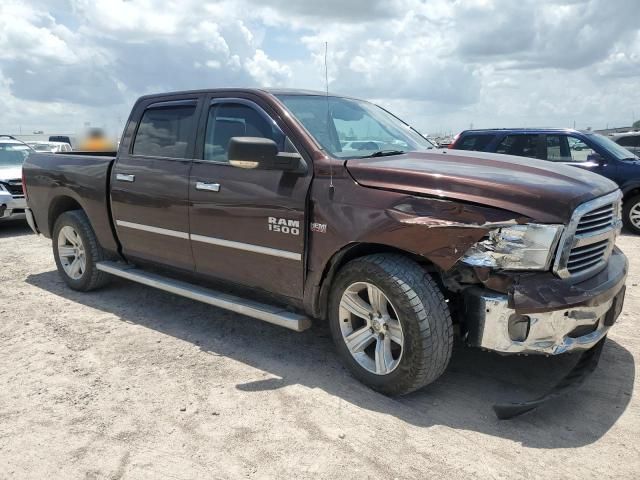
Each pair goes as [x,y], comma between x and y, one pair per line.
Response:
[268,313]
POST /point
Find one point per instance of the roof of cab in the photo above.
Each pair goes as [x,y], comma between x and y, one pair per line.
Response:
[272,91]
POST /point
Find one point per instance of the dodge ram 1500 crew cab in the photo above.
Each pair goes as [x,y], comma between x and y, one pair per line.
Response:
[250,195]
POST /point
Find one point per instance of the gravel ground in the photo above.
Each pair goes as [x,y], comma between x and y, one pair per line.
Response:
[129,382]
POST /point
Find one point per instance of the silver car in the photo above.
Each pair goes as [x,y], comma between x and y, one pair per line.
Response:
[628,140]
[12,154]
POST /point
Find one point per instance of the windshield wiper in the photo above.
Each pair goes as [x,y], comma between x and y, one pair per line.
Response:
[384,153]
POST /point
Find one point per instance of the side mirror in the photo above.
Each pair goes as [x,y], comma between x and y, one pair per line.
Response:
[596,158]
[262,153]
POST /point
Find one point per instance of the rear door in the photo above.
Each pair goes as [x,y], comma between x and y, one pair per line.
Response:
[247,225]
[149,182]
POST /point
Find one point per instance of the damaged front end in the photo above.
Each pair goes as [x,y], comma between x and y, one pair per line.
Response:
[516,247]
[543,289]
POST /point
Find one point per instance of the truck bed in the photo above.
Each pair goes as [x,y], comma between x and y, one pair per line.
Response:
[56,181]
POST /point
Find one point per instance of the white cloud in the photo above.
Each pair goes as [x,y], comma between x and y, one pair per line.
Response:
[442,64]
[266,71]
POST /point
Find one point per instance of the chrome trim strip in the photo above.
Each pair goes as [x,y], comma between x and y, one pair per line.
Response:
[148,228]
[248,247]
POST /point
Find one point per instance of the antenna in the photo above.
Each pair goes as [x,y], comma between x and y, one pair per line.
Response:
[326,84]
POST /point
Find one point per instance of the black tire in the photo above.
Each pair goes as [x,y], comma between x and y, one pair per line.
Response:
[91,278]
[627,206]
[423,314]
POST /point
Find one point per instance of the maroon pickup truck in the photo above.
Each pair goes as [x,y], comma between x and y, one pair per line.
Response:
[288,206]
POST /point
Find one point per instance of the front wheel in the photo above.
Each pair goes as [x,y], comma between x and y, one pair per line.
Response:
[631,214]
[390,323]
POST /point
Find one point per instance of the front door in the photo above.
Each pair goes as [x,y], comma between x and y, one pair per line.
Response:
[247,225]
[150,184]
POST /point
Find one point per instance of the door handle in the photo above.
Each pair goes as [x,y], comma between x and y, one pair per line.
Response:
[209,187]
[123,177]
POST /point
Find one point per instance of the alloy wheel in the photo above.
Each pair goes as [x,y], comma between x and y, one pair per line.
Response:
[71,252]
[371,328]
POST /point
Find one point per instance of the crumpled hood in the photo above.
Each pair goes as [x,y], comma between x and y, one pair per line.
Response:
[547,192]
[10,172]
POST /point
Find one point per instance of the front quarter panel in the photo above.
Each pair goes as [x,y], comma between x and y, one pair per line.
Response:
[437,229]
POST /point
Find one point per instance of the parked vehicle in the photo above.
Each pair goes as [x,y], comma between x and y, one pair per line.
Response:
[50,146]
[251,190]
[12,154]
[628,140]
[583,149]
[61,138]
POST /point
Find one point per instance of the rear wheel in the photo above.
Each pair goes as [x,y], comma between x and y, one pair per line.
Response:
[631,214]
[390,323]
[76,251]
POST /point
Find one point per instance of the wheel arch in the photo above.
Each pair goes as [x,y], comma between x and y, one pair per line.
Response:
[630,191]
[320,300]
[58,206]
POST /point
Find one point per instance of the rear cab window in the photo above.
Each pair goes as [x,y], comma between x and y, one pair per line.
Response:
[166,130]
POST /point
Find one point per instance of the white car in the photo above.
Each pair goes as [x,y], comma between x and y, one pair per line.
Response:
[12,154]
[50,146]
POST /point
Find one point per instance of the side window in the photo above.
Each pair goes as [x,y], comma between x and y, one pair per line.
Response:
[165,132]
[520,145]
[474,142]
[629,141]
[228,120]
[578,150]
[558,148]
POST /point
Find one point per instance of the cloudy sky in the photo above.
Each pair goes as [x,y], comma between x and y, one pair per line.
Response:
[442,64]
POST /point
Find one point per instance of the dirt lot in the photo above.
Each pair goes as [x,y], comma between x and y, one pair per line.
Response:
[129,382]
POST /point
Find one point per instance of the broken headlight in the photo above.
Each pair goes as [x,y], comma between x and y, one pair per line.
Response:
[517,247]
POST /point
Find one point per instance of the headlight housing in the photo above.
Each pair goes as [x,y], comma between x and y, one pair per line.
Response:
[518,247]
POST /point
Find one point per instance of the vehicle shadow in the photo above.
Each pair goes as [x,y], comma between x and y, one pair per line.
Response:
[460,399]
[14,227]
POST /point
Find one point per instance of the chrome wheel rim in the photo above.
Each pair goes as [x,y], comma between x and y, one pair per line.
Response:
[71,252]
[634,215]
[371,328]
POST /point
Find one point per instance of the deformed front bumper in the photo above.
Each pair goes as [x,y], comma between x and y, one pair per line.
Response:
[580,317]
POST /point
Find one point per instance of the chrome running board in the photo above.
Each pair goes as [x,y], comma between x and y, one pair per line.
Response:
[261,311]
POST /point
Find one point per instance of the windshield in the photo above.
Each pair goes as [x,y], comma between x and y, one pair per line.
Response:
[353,128]
[43,147]
[612,147]
[13,154]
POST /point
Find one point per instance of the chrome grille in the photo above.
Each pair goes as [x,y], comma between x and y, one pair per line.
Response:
[600,219]
[14,187]
[588,240]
